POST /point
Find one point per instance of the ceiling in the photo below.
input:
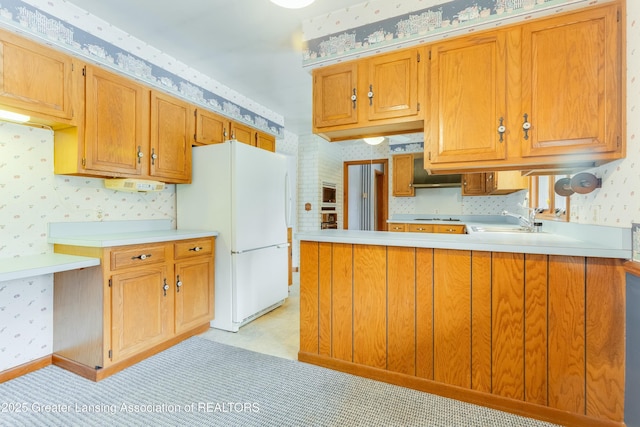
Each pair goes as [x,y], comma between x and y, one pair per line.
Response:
[250,46]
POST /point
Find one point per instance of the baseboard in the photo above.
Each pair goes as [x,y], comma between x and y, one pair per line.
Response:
[25,368]
[94,374]
[517,407]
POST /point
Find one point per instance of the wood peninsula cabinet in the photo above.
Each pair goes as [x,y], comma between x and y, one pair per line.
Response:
[545,95]
[141,299]
[372,96]
[538,335]
[38,81]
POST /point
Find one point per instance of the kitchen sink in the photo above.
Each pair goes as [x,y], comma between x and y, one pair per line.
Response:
[500,229]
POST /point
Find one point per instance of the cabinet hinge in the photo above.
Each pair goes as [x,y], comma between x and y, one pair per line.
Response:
[418,56]
[195,113]
[110,283]
[418,106]
[84,71]
[84,162]
[429,55]
[110,354]
[429,155]
[618,15]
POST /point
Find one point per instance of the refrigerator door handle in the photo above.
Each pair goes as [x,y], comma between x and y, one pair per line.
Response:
[280,246]
[287,200]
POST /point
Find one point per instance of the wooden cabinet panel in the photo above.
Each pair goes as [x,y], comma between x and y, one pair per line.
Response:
[342,302]
[468,99]
[452,317]
[424,313]
[571,83]
[211,128]
[536,329]
[35,79]
[403,175]
[566,333]
[473,184]
[508,325]
[133,329]
[493,183]
[172,125]
[242,133]
[138,255]
[400,227]
[481,363]
[448,229]
[266,141]
[324,299]
[605,332]
[333,89]
[309,269]
[393,85]
[116,124]
[194,293]
[191,248]
[419,228]
[369,306]
[401,310]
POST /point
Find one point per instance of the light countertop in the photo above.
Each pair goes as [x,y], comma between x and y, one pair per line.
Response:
[36,265]
[119,233]
[556,239]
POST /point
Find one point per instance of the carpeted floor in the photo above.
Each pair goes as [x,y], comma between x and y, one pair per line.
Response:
[203,383]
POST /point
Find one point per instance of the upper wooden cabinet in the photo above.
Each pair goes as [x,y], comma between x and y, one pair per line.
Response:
[211,128]
[468,99]
[116,126]
[265,141]
[36,80]
[243,133]
[381,95]
[571,81]
[335,95]
[403,175]
[493,183]
[172,124]
[543,96]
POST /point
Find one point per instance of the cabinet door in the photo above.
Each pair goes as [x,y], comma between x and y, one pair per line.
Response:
[335,95]
[194,293]
[403,175]
[211,128]
[266,141]
[392,89]
[449,229]
[117,124]
[243,133]
[172,129]
[419,228]
[571,78]
[34,78]
[141,310]
[468,99]
[400,227]
[474,184]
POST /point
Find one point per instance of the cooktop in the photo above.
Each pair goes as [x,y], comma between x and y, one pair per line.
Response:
[436,219]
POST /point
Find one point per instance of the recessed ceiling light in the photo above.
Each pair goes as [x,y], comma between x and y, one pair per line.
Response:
[293,4]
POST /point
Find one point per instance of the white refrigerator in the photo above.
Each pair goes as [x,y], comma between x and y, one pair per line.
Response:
[243,193]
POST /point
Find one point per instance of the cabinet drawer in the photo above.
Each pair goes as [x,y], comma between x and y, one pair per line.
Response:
[133,256]
[397,227]
[420,228]
[450,229]
[190,248]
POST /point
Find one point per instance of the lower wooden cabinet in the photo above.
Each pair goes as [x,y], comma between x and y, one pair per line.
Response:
[140,300]
[427,228]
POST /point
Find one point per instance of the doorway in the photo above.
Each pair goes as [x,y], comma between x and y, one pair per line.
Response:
[366,194]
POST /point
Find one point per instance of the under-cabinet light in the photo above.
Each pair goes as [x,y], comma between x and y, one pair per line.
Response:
[374,141]
[13,117]
[293,4]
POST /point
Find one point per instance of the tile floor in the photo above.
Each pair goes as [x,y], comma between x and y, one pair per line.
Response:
[276,333]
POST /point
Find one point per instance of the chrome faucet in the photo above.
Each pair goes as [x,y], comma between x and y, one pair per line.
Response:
[529,223]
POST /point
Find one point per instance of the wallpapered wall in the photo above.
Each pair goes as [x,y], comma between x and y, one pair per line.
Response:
[31,196]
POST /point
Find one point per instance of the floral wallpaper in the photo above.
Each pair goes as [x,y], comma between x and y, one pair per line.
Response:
[31,196]
[85,38]
[380,25]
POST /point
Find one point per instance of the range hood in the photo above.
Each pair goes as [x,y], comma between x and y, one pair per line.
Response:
[421,179]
